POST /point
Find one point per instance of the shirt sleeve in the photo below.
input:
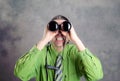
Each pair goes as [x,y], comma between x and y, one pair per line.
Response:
[92,68]
[25,66]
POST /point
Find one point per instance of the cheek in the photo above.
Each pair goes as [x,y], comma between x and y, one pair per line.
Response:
[53,39]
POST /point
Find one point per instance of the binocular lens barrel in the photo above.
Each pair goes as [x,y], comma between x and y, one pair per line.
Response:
[53,26]
[66,26]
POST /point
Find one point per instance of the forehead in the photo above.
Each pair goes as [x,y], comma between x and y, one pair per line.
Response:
[59,21]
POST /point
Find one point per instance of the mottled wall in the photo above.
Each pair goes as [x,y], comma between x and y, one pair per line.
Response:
[97,23]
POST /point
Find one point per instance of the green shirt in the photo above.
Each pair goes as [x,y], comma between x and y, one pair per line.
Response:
[75,64]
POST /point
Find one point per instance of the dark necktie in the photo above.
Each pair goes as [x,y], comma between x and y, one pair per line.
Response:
[58,72]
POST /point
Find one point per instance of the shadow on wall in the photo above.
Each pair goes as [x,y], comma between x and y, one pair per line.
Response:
[6,30]
[7,43]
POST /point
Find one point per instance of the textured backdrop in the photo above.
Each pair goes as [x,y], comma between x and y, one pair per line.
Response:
[97,23]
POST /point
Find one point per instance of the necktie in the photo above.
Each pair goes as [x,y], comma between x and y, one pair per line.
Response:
[58,72]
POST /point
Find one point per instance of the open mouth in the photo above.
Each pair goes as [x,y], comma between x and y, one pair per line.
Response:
[60,38]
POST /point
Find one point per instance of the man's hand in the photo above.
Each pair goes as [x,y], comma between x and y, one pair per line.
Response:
[72,36]
[47,37]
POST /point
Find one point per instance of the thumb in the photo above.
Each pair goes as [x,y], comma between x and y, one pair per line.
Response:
[68,36]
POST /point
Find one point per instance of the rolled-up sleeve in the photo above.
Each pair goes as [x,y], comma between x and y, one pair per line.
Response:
[92,68]
[25,66]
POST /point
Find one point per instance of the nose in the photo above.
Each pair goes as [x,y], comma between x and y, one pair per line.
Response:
[59,32]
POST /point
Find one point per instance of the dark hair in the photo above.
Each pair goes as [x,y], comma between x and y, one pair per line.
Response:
[59,17]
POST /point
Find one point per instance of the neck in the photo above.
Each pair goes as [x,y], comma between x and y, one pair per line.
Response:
[58,48]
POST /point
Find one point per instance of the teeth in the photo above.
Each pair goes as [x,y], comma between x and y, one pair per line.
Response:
[59,38]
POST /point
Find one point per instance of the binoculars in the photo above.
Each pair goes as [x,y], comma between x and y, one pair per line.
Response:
[65,26]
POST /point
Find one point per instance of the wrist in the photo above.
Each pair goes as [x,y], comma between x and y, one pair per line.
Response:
[45,40]
[79,44]
[75,40]
[41,44]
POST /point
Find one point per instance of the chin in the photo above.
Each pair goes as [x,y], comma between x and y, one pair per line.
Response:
[60,45]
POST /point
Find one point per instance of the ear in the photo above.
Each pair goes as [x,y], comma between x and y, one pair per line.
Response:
[68,42]
[48,43]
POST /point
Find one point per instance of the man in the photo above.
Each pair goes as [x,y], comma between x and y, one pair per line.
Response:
[75,60]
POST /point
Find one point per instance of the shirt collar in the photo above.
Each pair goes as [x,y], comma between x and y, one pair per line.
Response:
[63,52]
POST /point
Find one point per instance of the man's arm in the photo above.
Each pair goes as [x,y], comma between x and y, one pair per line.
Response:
[26,66]
[92,68]
[87,62]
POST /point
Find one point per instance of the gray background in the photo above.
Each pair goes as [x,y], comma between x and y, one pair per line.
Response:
[97,23]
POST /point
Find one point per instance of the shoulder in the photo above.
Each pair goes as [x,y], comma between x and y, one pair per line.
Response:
[71,51]
[70,46]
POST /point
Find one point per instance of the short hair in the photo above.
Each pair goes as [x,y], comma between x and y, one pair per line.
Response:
[59,17]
